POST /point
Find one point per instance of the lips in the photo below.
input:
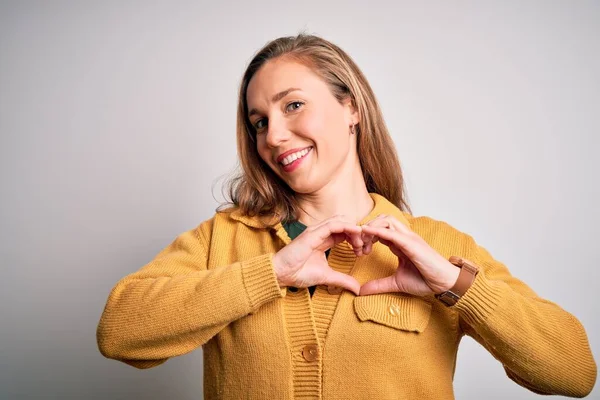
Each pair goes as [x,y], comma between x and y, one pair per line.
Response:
[295,164]
[292,151]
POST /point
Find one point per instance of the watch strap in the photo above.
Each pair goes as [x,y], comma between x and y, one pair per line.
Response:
[466,277]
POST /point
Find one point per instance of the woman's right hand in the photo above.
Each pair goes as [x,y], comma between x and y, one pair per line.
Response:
[303,263]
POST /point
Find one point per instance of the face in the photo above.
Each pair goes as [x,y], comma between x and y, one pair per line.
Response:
[302,130]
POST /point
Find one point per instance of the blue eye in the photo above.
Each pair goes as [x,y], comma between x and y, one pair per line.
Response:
[294,105]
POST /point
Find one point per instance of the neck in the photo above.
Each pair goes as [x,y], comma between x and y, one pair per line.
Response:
[348,197]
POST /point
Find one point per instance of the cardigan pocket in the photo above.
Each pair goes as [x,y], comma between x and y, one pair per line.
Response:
[399,311]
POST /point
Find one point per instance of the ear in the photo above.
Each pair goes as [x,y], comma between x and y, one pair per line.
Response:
[351,111]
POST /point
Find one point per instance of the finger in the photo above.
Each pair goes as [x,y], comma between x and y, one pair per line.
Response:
[337,238]
[379,223]
[369,239]
[353,232]
[366,242]
[393,222]
[342,280]
[332,225]
[353,228]
[397,225]
[383,285]
[320,238]
[355,240]
[336,225]
[395,237]
[357,245]
[374,240]
[398,244]
[340,237]
[333,240]
[382,221]
[339,217]
[377,218]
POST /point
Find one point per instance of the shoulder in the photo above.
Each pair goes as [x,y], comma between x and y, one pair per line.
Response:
[226,222]
[442,236]
[221,219]
[425,225]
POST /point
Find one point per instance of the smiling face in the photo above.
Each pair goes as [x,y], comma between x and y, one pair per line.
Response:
[293,110]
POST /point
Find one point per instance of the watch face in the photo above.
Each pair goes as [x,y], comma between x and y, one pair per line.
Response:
[449,298]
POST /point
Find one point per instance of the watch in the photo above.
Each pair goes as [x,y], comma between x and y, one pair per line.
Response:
[466,276]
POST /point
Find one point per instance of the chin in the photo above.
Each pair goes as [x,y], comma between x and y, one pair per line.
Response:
[305,187]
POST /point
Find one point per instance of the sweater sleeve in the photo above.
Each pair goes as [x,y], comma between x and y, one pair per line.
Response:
[174,304]
[541,346]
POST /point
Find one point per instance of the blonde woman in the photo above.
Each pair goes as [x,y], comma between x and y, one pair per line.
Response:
[318,282]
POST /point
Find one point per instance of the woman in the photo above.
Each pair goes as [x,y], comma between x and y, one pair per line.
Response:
[319,283]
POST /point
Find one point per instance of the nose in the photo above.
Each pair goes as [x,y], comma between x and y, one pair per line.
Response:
[277,133]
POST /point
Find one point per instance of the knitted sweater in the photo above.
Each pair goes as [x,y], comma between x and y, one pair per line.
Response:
[215,287]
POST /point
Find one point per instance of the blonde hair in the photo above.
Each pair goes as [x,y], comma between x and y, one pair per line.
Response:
[256,189]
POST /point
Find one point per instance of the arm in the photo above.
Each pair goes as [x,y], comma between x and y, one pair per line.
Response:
[541,346]
[174,304]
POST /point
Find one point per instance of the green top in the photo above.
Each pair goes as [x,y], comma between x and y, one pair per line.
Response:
[293,229]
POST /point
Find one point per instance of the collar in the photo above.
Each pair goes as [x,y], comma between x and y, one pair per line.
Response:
[382,206]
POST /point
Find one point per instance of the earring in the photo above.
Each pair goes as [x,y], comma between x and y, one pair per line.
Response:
[352,131]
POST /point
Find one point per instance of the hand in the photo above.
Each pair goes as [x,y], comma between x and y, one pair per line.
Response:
[421,270]
[302,263]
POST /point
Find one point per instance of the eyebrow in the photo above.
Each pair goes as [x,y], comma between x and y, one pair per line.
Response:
[274,99]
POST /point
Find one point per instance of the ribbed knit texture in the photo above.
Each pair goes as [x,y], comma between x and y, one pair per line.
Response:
[215,287]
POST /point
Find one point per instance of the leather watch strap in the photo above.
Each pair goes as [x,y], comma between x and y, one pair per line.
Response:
[467,274]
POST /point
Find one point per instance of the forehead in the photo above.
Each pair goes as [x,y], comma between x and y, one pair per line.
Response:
[278,75]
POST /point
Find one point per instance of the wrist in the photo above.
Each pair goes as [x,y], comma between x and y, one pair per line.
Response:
[466,277]
[452,277]
[278,272]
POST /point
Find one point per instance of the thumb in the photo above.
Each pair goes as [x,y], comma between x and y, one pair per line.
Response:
[383,285]
[342,280]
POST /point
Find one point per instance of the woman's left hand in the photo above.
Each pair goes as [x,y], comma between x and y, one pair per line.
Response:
[421,269]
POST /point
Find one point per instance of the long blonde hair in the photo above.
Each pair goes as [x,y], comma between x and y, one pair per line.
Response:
[256,189]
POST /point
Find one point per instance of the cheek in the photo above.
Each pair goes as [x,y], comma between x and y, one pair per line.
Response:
[263,152]
[315,125]
[309,125]
[326,129]
[335,126]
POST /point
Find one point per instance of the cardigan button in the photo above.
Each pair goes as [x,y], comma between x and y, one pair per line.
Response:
[394,309]
[310,352]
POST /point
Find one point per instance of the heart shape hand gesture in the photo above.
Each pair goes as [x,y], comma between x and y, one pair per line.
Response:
[421,270]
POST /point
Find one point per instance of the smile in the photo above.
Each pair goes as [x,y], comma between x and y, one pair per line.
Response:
[293,157]
[294,160]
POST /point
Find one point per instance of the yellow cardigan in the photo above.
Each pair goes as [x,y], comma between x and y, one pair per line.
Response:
[215,287]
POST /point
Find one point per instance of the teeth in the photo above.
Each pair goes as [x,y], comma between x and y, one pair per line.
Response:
[294,156]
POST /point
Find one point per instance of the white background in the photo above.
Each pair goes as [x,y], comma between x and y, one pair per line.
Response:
[117,124]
